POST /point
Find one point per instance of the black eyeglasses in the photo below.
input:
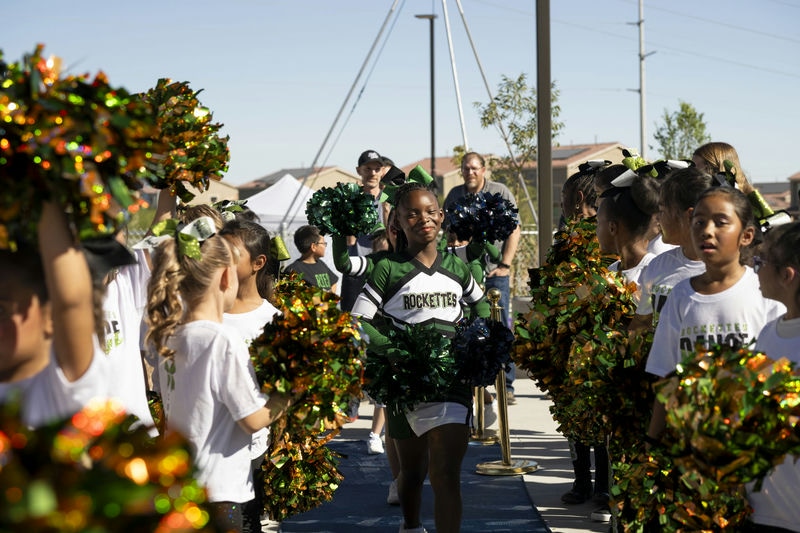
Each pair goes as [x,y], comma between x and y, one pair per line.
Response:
[322,243]
[758,262]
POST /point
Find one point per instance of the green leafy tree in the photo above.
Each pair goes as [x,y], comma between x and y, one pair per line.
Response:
[513,111]
[681,132]
[458,154]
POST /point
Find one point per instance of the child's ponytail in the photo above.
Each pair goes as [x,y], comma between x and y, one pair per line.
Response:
[633,204]
[179,281]
[164,306]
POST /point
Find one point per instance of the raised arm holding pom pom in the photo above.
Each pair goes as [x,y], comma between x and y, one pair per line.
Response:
[48,348]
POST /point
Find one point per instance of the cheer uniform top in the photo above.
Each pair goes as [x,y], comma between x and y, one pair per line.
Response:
[123,310]
[404,292]
[208,385]
[657,246]
[633,274]
[49,396]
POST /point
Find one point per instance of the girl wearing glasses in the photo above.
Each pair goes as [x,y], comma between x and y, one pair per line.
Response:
[778,269]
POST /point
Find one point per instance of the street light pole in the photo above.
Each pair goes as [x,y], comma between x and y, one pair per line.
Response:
[433,115]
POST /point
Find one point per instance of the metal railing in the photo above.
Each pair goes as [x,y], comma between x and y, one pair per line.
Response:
[527,257]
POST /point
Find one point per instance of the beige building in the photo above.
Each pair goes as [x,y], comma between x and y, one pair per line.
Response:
[311,178]
[782,195]
[216,192]
[794,194]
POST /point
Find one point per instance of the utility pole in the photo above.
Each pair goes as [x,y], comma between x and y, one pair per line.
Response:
[544,131]
[433,115]
[642,92]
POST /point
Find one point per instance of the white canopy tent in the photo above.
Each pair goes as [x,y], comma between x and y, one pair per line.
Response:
[281,208]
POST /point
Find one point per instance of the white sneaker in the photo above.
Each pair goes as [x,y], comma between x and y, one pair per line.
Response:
[374,444]
[270,526]
[489,414]
[393,498]
[602,514]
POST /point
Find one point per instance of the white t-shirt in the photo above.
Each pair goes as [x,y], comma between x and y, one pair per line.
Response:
[776,503]
[657,245]
[49,395]
[123,309]
[633,275]
[733,316]
[661,275]
[250,325]
[212,386]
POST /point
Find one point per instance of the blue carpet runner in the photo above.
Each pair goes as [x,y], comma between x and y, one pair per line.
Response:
[491,503]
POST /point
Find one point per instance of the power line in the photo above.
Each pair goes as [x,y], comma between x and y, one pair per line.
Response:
[784,3]
[693,53]
[362,90]
[726,25]
[693,17]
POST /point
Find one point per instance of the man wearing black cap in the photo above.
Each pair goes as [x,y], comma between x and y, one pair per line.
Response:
[371,169]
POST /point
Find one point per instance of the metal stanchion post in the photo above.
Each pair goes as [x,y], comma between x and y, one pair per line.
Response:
[481,436]
[504,467]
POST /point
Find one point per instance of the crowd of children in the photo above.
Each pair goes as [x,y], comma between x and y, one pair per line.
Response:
[722,279]
[177,316]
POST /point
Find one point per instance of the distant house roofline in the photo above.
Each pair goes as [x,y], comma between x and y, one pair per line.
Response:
[298,173]
[563,156]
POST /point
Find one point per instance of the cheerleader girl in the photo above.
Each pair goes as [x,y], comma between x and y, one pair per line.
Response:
[417,285]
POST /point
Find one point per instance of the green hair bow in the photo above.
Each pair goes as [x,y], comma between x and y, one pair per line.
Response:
[417,175]
[229,208]
[188,236]
[632,160]
[278,249]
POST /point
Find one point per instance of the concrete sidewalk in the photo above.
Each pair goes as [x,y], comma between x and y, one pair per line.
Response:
[525,503]
[534,437]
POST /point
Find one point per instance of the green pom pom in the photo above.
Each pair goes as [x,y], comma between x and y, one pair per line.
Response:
[342,210]
[419,368]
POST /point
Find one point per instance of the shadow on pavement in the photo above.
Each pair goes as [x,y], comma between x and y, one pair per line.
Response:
[491,503]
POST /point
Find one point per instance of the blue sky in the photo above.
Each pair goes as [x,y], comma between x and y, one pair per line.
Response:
[276,73]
